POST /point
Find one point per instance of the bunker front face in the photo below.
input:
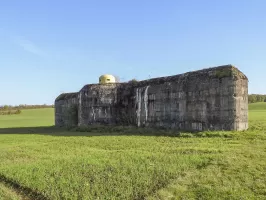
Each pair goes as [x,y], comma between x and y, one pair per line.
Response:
[209,99]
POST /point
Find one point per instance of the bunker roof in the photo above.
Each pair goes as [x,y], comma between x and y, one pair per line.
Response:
[65,96]
[212,72]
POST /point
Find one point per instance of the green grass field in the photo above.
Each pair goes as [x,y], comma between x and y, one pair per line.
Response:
[39,162]
[29,118]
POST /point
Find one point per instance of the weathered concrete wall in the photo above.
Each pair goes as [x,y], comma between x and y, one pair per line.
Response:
[96,104]
[209,99]
[66,113]
[107,104]
[241,104]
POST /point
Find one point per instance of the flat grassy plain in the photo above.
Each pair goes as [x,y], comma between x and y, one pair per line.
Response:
[29,118]
[43,162]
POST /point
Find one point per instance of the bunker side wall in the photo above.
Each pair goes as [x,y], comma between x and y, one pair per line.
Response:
[241,104]
[188,103]
[66,112]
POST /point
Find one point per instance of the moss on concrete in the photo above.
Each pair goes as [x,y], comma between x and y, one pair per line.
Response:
[221,73]
[229,72]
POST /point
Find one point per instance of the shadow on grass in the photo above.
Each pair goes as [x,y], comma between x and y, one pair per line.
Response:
[111,131]
[32,130]
[24,192]
[92,131]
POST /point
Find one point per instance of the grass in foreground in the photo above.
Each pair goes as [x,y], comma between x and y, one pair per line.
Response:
[49,163]
[8,194]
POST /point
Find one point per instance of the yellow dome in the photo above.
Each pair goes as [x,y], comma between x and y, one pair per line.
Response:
[106,79]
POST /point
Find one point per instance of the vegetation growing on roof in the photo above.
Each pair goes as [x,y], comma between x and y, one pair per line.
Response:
[133,81]
[221,73]
[229,72]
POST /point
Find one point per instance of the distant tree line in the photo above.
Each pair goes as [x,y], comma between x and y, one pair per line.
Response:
[254,98]
[24,106]
[10,112]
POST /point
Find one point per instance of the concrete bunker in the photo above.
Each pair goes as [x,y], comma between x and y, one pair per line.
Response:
[209,99]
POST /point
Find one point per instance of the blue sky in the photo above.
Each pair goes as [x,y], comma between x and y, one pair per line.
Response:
[48,47]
